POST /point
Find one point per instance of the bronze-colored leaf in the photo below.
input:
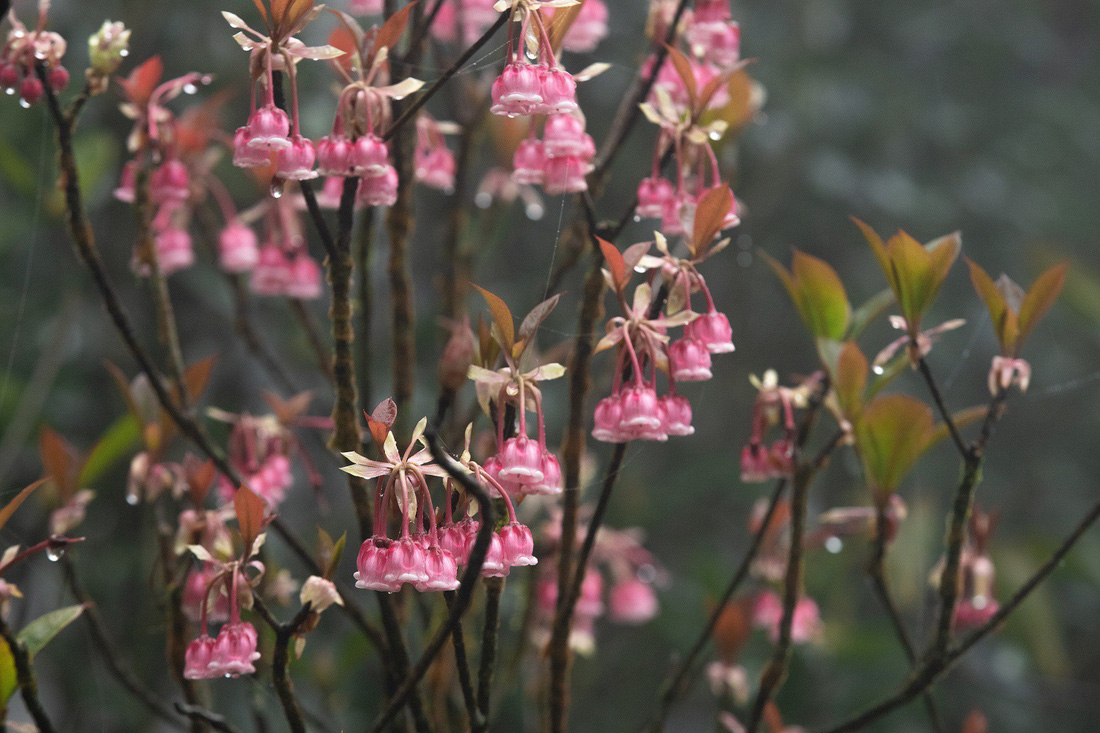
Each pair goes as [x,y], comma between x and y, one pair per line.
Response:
[502,316]
[616,265]
[197,376]
[390,32]
[534,319]
[11,506]
[57,458]
[713,207]
[250,510]
[684,69]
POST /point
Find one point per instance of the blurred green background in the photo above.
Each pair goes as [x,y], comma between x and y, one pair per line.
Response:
[973,115]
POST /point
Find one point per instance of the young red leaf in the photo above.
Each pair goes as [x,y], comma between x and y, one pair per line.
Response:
[615,263]
[250,510]
[390,32]
[502,317]
[713,207]
[683,68]
[11,506]
[57,459]
[1044,291]
[141,82]
[200,478]
[534,319]
[197,376]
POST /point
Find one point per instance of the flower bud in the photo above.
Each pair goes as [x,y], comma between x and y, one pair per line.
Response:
[107,47]
[319,593]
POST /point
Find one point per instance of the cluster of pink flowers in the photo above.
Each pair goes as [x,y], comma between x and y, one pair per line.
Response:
[232,652]
[434,161]
[711,54]
[563,157]
[631,598]
[522,466]
[774,406]
[634,410]
[427,554]
[283,264]
[25,49]
[261,448]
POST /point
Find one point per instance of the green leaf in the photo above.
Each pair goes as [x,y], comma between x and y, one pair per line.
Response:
[1044,291]
[817,293]
[851,380]
[1004,319]
[117,442]
[891,434]
[9,680]
[868,312]
[38,633]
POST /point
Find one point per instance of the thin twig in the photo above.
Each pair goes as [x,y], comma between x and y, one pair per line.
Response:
[313,335]
[280,660]
[876,573]
[200,714]
[106,647]
[941,405]
[453,69]
[776,671]
[674,686]
[572,450]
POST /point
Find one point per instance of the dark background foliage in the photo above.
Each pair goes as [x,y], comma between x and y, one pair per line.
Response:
[973,115]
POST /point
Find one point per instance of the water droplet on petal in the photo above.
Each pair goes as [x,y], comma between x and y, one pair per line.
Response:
[877,369]
[55,553]
[276,188]
[534,212]
[24,104]
[834,544]
[637,218]
[132,499]
[124,52]
[483,200]
[715,135]
[9,91]
[190,88]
